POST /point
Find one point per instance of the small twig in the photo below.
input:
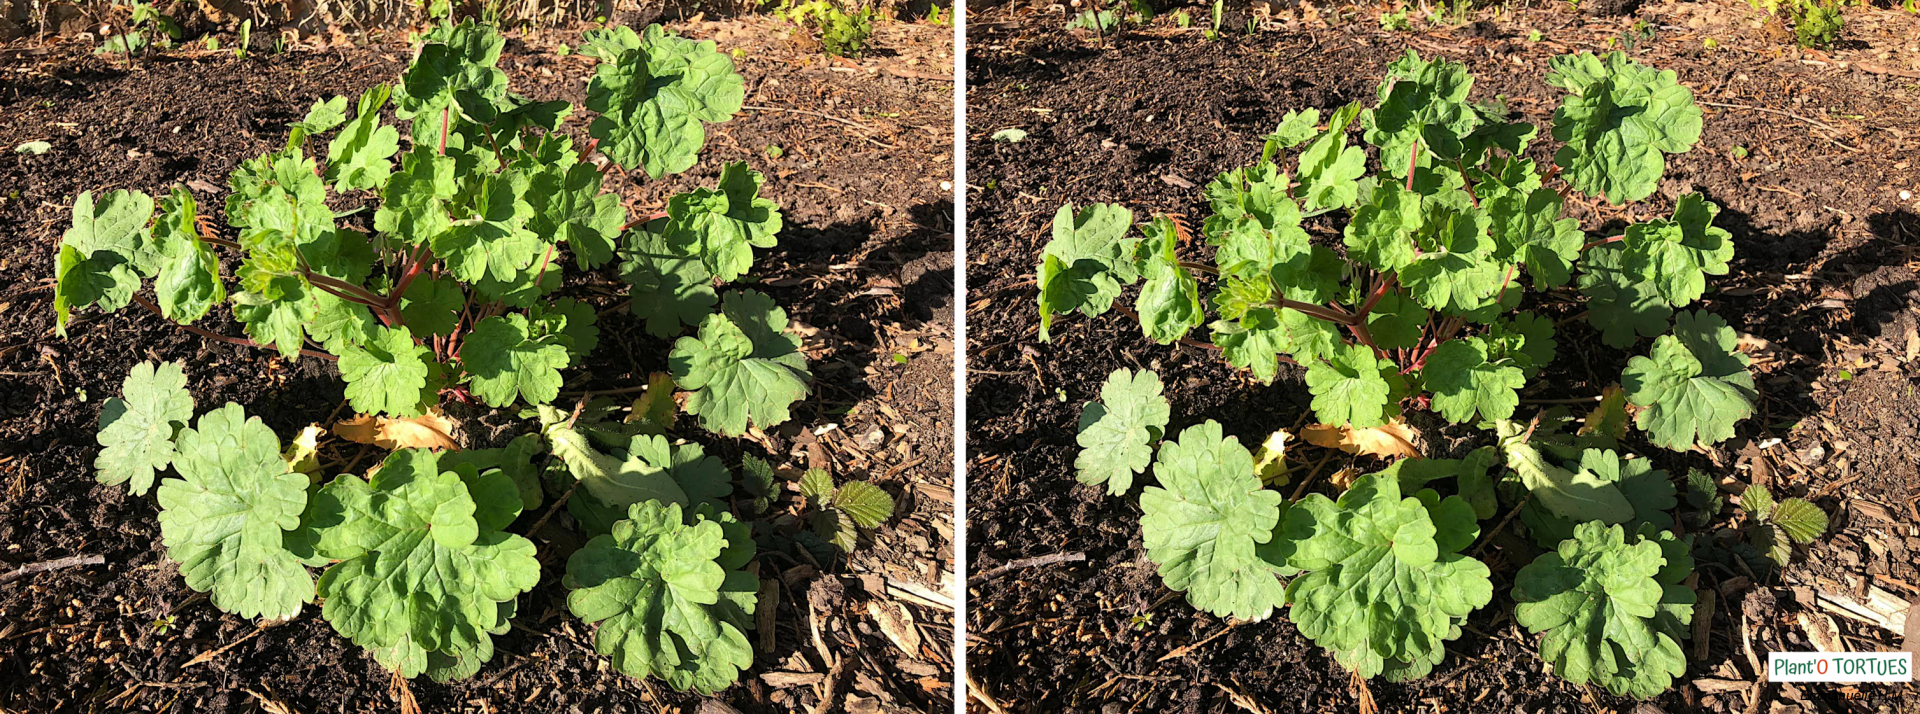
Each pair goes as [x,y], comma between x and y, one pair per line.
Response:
[828,117]
[46,565]
[1182,652]
[1024,563]
[980,693]
[1502,526]
[211,335]
[1823,125]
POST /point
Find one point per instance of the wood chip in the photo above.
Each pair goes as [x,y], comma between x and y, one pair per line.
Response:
[896,622]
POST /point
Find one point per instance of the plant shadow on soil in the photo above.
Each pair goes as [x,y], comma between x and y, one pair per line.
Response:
[118,636]
[1145,122]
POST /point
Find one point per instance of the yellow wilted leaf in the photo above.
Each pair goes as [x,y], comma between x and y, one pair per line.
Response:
[432,430]
[656,408]
[1609,418]
[301,454]
[1271,461]
[1396,439]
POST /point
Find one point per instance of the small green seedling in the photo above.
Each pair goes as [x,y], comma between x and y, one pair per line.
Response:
[1776,526]
[838,512]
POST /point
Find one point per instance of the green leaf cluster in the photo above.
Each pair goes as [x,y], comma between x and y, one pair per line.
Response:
[840,511]
[480,199]
[1612,607]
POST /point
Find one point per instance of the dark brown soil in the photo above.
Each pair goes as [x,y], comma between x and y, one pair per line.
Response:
[1824,275]
[863,268]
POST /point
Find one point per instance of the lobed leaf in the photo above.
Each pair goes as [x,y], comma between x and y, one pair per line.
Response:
[743,367]
[1117,433]
[1206,520]
[1694,386]
[137,428]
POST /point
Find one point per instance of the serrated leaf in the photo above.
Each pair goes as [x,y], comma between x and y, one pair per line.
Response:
[361,156]
[668,600]
[1169,302]
[413,206]
[1455,272]
[1329,168]
[1465,384]
[1610,611]
[1527,229]
[722,226]
[1087,261]
[188,281]
[652,93]
[1117,433]
[1801,520]
[1295,129]
[425,568]
[453,72]
[1695,385]
[1524,339]
[1382,229]
[1387,583]
[743,367]
[1421,102]
[431,306]
[1618,121]
[104,254]
[571,321]
[1396,322]
[1353,387]
[507,362]
[226,519]
[1757,501]
[137,428]
[385,375]
[1676,256]
[491,238]
[1622,306]
[669,289]
[569,208]
[1255,341]
[816,485]
[865,503]
[280,322]
[1204,522]
[758,479]
[323,116]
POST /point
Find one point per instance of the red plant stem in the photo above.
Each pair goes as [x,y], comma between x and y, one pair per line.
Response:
[445,121]
[343,289]
[651,217]
[1603,241]
[1503,284]
[544,260]
[1413,159]
[1462,165]
[421,257]
[1361,335]
[1392,280]
[211,335]
[1312,310]
[1199,267]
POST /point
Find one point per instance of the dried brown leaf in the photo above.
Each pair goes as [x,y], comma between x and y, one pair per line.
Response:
[432,430]
[1395,439]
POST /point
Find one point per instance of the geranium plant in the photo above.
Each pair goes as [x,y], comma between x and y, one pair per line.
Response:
[1424,304]
[480,198]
